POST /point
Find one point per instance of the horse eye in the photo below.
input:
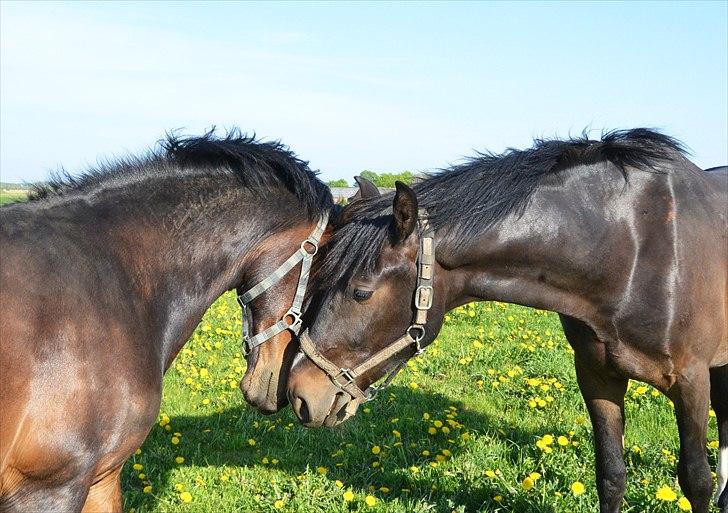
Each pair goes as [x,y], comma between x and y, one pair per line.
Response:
[362,295]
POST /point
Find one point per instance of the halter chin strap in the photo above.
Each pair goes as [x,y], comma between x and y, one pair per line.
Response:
[345,378]
[291,320]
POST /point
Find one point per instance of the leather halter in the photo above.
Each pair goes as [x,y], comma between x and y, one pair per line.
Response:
[345,378]
[291,320]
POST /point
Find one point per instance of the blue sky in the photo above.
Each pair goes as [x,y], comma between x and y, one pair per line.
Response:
[355,86]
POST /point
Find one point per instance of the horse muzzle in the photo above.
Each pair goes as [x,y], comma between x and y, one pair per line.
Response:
[315,400]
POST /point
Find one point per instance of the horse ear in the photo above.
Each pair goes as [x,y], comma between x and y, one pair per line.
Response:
[367,189]
[404,210]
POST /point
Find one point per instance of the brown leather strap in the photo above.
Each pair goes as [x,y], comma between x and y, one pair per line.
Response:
[340,377]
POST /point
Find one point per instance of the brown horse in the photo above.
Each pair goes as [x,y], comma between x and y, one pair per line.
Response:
[102,280]
[625,238]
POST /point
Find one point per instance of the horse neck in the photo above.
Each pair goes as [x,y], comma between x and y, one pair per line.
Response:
[185,251]
[566,252]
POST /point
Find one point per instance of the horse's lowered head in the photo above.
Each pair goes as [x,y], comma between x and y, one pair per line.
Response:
[272,307]
[378,302]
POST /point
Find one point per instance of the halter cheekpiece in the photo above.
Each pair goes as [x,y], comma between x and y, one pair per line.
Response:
[291,320]
[345,378]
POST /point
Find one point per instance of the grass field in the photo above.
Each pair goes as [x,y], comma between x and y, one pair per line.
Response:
[489,419]
[12,196]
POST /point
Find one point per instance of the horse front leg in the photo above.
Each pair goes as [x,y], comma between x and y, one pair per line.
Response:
[719,400]
[604,398]
[105,494]
[690,394]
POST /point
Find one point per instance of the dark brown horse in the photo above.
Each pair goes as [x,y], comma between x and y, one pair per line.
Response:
[102,280]
[625,238]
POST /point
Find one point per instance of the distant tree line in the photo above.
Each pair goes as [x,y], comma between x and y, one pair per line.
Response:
[378,179]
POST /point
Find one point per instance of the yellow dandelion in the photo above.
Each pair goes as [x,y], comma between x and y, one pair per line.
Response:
[321,470]
[348,496]
[376,449]
[684,504]
[562,441]
[185,497]
[175,440]
[577,488]
[527,483]
[147,489]
[665,493]
[370,500]
[251,441]
[179,460]
[138,466]
[279,504]
[338,484]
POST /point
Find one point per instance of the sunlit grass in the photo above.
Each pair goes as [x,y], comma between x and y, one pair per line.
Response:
[488,419]
[12,196]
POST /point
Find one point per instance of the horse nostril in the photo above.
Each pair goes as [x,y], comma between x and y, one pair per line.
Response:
[342,414]
[301,408]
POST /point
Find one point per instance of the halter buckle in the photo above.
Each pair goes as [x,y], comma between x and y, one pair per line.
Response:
[348,376]
[423,293]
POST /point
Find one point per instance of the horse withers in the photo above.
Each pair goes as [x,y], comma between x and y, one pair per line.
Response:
[102,280]
[624,237]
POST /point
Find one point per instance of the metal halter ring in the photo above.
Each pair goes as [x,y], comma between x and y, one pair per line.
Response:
[312,243]
[296,318]
[419,337]
[419,349]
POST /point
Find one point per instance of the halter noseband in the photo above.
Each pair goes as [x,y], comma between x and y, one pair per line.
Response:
[345,378]
[291,320]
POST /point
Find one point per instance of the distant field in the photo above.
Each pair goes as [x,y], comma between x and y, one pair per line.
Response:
[12,195]
[489,419]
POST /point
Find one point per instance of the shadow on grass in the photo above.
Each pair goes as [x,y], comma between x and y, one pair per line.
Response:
[222,440]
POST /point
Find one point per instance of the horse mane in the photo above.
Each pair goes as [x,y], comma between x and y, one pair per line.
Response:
[257,165]
[471,197]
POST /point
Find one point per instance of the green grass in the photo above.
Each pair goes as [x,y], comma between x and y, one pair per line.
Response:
[12,196]
[499,378]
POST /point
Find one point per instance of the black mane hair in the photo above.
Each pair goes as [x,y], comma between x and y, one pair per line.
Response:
[257,165]
[471,197]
